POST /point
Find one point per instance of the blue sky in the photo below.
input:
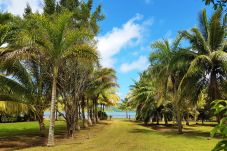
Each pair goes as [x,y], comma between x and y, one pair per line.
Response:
[129,29]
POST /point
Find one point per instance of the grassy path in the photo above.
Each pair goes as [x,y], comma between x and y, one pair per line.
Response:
[122,135]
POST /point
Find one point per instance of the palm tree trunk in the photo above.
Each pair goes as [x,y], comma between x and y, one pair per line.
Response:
[94,121]
[157,118]
[214,92]
[187,119]
[89,114]
[41,123]
[96,112]
[166,120]
[83,113]
[179,122]
[77,114]
[52,108]
[56,112]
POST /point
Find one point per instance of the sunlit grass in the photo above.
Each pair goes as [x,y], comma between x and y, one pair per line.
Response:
[118,135]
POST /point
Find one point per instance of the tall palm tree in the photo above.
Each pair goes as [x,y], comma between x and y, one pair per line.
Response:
[55,40]
[208,68]
[168,65]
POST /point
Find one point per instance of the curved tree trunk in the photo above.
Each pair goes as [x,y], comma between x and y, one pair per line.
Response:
[52,108]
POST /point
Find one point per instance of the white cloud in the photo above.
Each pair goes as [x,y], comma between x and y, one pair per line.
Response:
[112,43]
[17,6]
[140,64]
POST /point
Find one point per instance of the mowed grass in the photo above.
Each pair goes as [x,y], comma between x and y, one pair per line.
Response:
[117,135]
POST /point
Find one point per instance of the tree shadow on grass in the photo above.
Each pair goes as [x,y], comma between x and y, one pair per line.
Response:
[12,139]
[171,130]
[137,130]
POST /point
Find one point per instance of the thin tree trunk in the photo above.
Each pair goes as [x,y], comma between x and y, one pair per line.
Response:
[93,113]
[41,123]
[52,108]
[179,122]
[157,118]
[83,113]
[88,114]
[187,119]
[56,112]
[166,120]
[96,112]
[77,114]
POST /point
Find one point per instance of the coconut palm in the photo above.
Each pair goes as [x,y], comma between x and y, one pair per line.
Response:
[208,68]
[142,97]
[102,80]
[168,65]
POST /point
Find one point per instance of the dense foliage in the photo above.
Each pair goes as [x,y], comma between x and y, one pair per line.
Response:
[49,63]
[182,81]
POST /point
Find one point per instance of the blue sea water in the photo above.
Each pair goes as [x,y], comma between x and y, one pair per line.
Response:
[113,114]
[121,114]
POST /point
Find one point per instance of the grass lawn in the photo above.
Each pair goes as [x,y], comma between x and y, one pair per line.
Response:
[115,135]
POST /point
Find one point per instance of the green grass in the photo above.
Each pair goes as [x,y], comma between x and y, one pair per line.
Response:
[119,135]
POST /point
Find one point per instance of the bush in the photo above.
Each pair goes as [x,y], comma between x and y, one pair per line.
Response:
[102,115]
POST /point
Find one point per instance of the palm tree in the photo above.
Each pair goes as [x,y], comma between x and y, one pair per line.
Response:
[216,3]
[103,79]
[142,97]
[169,63]
[208,68]
[27,84]
[56,41]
